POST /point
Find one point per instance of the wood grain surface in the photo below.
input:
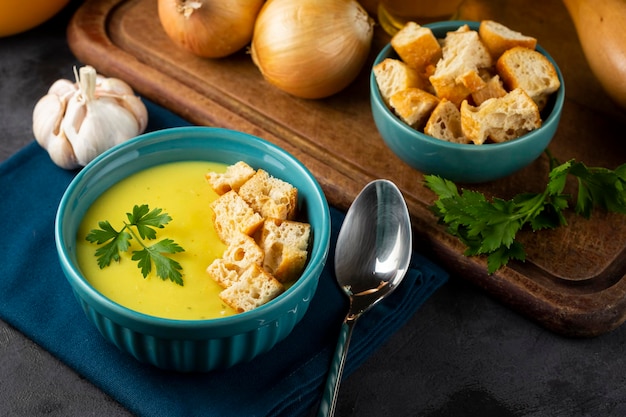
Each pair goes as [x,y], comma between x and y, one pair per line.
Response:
[574,279]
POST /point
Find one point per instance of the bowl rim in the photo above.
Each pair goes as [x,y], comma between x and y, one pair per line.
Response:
[553,116]
[259,314]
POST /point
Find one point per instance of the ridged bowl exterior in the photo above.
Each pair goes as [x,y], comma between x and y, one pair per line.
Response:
[192,345]
[467,163]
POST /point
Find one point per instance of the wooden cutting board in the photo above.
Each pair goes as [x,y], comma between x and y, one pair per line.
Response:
[574,280]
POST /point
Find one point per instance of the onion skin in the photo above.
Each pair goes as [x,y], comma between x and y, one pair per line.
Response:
[311,48]
[215,29]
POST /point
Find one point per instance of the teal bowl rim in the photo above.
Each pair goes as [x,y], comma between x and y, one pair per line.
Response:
[240,322]
[553,116]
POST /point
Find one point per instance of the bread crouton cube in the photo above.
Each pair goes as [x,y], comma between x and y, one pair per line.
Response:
[285,245]
[471,80]
[498,38]
[222,272]
[493,89]
[393,75]
[413,106]
[445,123]
[253,288]
[232,215]
[462,50]
[232,179]
[270,196]
[500,119]
[457,74]
[417,46]
[530,70]
[243,251]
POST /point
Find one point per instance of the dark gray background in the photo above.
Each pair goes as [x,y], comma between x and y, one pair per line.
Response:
[462,354]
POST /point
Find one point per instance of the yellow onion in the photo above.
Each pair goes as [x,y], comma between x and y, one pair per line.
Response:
[311,48]
[209,28]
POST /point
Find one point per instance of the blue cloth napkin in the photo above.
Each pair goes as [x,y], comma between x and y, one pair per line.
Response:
[287,381]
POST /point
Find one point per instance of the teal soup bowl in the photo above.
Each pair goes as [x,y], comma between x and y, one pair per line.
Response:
[466,163]
[193,345]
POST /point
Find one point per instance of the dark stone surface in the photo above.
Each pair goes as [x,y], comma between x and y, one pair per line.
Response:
[462,354]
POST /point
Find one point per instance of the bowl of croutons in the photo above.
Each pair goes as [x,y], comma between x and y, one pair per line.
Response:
[194,248]
[469,101]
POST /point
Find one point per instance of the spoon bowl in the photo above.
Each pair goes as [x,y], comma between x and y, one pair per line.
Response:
[374,245]
[373,252]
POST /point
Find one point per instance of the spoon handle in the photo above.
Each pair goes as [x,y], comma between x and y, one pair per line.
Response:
[331,390]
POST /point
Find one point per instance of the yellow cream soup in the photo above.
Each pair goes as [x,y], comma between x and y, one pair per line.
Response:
[181,190]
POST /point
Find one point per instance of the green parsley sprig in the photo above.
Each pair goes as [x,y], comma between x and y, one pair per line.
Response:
[141,225]
[490,227]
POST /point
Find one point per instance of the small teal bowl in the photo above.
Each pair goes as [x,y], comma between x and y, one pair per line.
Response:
[192,345]
[465,163]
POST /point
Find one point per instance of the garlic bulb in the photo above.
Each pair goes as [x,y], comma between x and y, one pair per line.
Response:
[311,48]
[75,122]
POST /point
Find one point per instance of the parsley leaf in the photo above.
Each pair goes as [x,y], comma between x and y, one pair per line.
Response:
[490,227]
[118,242]
[146,221]
[142,224]
[166,268]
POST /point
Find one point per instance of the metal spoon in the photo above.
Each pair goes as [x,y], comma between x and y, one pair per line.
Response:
[372,256]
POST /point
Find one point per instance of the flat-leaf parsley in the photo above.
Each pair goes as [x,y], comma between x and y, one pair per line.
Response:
[490,227]
[141,225]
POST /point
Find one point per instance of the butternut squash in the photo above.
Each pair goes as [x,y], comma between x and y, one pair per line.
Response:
[601,28]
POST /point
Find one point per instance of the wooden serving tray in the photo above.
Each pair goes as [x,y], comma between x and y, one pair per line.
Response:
[574,280]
